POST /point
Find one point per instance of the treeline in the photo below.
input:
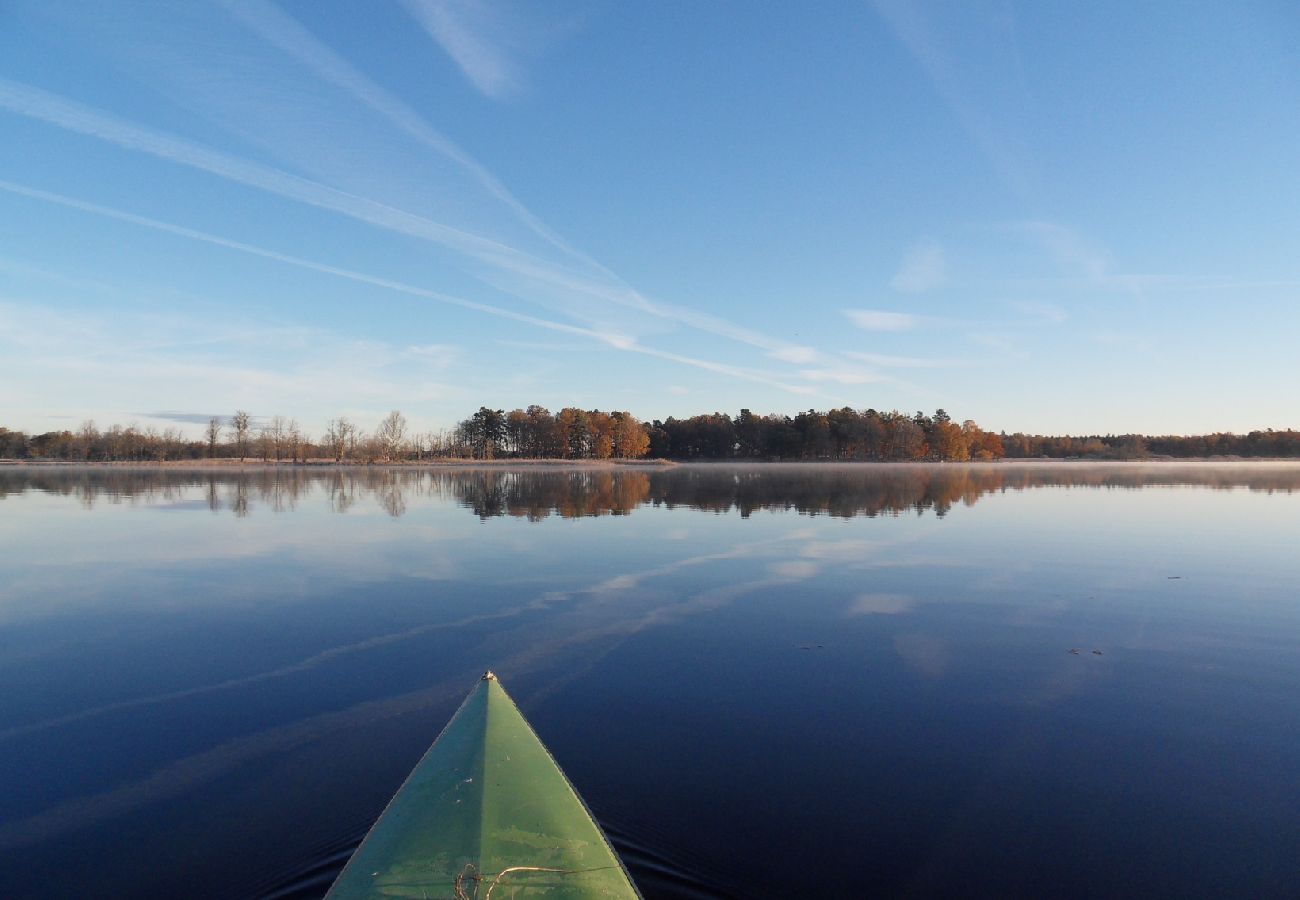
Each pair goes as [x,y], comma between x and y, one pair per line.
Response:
[1254,445]
[488,434]
[532,433]
[840,434]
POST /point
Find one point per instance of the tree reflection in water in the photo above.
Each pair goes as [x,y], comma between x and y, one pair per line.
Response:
[535,494]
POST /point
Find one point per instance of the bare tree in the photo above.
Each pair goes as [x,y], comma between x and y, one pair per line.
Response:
[295,440]
[389,434]
[240,423]
[339,436]
[88,436]
[213,434]
[171,440]
[265,443]
[277,433]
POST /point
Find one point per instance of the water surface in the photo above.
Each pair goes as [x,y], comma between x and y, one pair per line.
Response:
[766,681]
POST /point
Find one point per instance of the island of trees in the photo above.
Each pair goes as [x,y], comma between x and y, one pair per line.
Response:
[843,434]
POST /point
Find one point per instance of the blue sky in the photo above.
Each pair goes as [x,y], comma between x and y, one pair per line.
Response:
[1046,217]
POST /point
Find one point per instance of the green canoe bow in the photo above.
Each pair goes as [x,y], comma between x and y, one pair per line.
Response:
[486,813]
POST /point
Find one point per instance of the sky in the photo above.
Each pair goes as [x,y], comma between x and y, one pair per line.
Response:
[1046,217]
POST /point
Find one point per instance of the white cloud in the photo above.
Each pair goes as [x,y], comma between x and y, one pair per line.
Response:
[878,320]
[924,268]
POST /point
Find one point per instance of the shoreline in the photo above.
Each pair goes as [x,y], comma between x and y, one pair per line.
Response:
[254,464]
[456,463]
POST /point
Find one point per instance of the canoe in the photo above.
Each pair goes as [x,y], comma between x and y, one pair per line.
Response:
[486,812]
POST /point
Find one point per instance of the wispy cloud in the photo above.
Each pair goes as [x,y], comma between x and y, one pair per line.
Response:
[1048,313]
[185,418]
[539,276]
[988,106]
[879,320]
[204,237]
[842,375]
[481,38]
[547,346]
[95,360]
[63,113]
[1119,340]
[1069,248]
[797,355]
[283,31]
[1078,255]
[616,341]
[903,362]
[924,268]
[1003,343]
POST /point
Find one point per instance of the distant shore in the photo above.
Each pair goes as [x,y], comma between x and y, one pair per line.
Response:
[456,462]
[439,463]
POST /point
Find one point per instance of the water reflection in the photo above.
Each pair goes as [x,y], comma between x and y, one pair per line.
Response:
[267,683]
[532,494]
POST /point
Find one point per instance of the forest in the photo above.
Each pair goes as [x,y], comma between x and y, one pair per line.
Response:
[843,434]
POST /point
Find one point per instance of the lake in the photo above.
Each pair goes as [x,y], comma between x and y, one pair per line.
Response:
[766,680]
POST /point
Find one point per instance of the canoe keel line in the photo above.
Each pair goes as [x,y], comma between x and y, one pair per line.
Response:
[485,810]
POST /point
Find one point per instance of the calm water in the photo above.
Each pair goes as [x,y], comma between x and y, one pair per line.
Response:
[773,681]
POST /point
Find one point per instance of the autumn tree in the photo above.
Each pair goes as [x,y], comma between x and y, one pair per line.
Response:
[630,438]
[571,424]
[600,434]
[948,442]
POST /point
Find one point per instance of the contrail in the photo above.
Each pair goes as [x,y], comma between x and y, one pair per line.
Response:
[278,28]
[618,342]
[72,116]
[67,114]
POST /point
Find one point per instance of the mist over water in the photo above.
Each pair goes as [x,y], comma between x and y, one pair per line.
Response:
[767,680]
